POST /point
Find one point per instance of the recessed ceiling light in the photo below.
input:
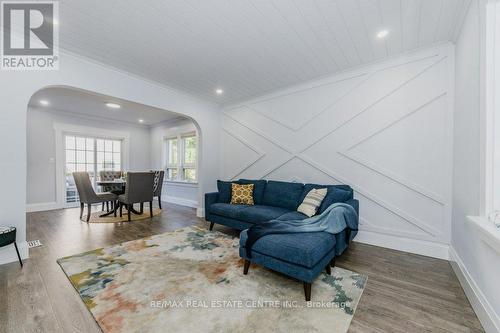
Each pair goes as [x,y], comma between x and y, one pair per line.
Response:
[141,120]
[382,33]
[113,105]
[219,91]
[44,102]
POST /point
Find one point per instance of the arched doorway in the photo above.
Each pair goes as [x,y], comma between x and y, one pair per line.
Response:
[61,119]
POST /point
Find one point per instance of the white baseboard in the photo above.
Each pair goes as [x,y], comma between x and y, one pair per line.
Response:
[425,248]
[484,311]
[39,207]
[181,201]
[8,253]
[200,212]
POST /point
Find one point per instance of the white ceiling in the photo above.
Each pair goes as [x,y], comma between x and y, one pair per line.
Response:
[250,47]
[84,103]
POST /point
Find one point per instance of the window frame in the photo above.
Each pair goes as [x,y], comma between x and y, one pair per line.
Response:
[489,118]
[94,151]
[181,158]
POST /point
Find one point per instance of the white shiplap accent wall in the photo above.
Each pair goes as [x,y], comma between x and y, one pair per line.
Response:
[384,129]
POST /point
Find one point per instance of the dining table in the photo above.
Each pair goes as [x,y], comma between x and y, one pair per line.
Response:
[115,183]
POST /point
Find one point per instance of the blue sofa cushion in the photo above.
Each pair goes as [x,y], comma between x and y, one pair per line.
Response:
[227,210]
[336,193]
[283,194]
[224,189]
[304,249]
[291,216]
[259,213]
[258,189]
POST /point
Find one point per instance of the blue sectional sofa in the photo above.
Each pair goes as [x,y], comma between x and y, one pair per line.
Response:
[273,200]
[301,255]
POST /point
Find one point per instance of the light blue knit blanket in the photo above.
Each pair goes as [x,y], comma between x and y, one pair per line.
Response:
[335,219]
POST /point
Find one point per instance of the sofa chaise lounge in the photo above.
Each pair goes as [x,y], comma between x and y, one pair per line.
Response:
[303,255]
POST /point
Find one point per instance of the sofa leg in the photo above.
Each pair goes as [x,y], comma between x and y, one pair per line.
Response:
[307,291]
[246,267]
[211,226]
[328,270]
[332,262]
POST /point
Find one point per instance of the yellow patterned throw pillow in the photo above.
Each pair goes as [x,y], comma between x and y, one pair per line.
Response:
[242,194]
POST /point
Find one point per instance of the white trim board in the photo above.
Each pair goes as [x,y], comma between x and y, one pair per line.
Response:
[421,247]
[8,253]
[487,231]
[181,201]
[483,309]
[42,206]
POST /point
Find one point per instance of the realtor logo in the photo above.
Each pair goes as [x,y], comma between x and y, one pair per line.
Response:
[30,35]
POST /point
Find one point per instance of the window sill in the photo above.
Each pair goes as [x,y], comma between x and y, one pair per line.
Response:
[487,230]
[181,183]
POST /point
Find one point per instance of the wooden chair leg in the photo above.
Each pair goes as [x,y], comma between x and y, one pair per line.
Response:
[328,270]
[159,201]
[307,291]
[89,208]
[82,206]
[115,207]
[151,209]
[332,262]
[18,255]
[142,207]
[107,206]
[211,226]
[129,208]
[121,207]
[246,267]
[102,208]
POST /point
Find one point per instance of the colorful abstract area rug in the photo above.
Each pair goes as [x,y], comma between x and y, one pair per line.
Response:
[191,280]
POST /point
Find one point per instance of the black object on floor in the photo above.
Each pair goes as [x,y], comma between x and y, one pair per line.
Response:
[7,237]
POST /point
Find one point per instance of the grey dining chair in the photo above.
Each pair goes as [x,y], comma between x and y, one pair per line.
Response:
[139,189]
[158,184]
[117,189]
[87,194]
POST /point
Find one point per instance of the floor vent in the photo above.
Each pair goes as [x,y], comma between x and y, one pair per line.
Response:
[34,243]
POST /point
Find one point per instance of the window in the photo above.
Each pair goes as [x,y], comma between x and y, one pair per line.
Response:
[490,120]
[172,159]
[189,158]
[182,152]
[91,155]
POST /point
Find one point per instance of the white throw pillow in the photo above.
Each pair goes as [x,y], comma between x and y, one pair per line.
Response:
[312,201]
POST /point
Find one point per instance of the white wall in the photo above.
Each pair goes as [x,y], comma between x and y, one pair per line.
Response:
[385,129]
[41,150]
[17,89]
[477,264]
[176,192]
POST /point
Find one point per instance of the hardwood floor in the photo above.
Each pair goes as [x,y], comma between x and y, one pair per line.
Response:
[404,293]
